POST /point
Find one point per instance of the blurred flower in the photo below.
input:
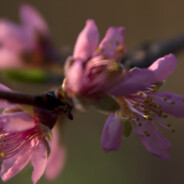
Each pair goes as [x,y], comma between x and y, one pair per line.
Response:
[28,44]
[25,137]
[95,76]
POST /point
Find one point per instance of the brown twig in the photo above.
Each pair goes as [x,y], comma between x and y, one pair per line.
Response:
[48,101]
[144,55]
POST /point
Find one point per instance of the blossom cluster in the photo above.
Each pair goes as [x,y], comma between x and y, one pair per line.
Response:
[94,75]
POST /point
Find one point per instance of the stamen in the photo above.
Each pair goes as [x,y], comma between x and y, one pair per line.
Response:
[173,102]
[147,117]
[147,133]
[2,154]
[136,104]
[154,89]
[100,49]
[119,49]
[165,98]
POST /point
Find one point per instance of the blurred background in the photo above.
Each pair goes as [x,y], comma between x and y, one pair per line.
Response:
[86,162]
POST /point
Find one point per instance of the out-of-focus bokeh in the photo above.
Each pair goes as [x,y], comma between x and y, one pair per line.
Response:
[86,162]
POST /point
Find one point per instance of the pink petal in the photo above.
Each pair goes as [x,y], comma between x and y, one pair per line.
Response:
[87,41]
[12,37]
[12,166]
[39,161]
[155,143]
[112,46]
[134,80]
[32,20]
[112,133]
[16,122]
[163,67]
[170,103]
[76,78]
[4,88]
[9,59]
[57,157]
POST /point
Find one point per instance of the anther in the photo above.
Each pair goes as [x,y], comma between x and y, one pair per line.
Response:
[172,102]
[165,98]
[2,154]
[139,93]
[136,104]
[147,117]
[99,49]
[119,49]
[147,133]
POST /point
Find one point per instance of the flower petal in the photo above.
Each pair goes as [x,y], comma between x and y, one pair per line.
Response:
[39,161]
[12,37]
[16,122]
[163,67]
[87,41]
[76,78]
[112,133]
[134,81]
[10,167]
[170,103]
[152,139]
[56,160]
[32,20]
[112,46]
[9,59]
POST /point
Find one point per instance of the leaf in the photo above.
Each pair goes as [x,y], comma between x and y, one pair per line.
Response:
[32,76]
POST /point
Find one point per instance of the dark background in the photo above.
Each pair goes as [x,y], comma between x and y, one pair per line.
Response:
[87,163]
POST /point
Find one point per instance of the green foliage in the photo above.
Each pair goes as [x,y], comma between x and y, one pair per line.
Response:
[31,76]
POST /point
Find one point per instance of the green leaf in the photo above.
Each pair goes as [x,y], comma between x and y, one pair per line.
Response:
[127,127]
[32,76]
[107,104]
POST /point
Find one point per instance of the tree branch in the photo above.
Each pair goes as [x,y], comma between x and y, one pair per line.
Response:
[144,55]
[48,101]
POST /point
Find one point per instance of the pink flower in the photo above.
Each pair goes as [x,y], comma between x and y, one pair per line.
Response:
[57,157]
[24,138]
[141,110]
[28,44]
[96,70]
[95,76]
